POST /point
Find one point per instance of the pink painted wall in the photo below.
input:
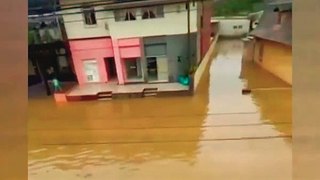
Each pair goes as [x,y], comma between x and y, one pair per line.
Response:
[125,48]
[91,49]
[130,52]
[206,28]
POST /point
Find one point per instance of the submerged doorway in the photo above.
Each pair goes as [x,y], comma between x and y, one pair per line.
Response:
[111,69]
[157,68]
[133,70]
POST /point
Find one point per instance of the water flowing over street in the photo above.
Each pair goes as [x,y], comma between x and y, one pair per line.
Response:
[218,133]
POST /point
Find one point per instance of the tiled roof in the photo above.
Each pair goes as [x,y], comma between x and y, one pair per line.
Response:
[269,29]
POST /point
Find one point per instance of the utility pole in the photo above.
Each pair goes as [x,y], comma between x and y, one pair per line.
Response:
[189,39]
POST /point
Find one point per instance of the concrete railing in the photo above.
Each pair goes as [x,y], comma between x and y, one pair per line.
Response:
[201,68]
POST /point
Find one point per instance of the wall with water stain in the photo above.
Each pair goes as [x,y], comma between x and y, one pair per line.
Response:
[276,58]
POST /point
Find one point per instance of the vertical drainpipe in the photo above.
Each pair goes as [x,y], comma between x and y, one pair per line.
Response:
[188,49]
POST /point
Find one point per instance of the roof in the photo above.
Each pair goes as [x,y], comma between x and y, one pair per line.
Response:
[269,29]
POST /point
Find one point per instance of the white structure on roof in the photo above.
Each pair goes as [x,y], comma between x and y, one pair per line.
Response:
[233,26]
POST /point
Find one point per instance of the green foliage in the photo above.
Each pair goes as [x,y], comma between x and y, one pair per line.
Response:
[236,7]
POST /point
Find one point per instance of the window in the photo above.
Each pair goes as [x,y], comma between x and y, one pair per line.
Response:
[130,16]
[125,15]
[89,16]
[152,12]
[235,27]
[240,27]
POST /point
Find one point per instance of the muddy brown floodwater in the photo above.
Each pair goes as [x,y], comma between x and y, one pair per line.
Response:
[216,134]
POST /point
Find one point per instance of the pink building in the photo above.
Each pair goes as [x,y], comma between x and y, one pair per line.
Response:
[137,42]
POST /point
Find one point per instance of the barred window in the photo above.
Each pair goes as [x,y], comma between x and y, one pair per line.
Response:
[89,16]
[152,12]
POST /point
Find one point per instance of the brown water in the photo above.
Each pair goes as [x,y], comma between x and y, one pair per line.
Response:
[218,133]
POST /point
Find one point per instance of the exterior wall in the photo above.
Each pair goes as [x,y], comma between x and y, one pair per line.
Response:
[276,58]
[248,50]
[173,22]
[204,64]
[206,28]
[177,46]
[215,28]
[125,48]
[89,49]
[77,29]
[226,26]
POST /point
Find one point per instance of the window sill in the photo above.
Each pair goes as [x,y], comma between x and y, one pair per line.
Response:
[90,26]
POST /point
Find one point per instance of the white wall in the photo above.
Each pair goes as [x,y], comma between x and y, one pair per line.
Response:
[77,29]
[172,23]
[226,27]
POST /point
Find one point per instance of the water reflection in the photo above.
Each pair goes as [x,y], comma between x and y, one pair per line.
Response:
[272,95]
[169,138]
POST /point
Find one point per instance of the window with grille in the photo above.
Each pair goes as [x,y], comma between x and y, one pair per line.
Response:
[125,15]
[152,12]
[89,16]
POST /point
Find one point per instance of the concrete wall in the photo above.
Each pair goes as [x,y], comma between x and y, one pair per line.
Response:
[248,50]
[277,59]
[206,28]
[177,46]
[204,63]
[173,22]
[76,28]
[226,26]
[96,49]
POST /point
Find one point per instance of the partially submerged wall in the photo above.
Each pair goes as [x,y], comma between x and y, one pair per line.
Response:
[205,61]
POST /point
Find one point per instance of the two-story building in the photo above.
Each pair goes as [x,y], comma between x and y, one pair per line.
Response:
[136,41]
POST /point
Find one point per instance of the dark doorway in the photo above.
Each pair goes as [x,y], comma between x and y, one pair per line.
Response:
[111,68]
[152,68]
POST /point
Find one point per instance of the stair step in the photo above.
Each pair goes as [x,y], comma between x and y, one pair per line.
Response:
[151,94]
[105,95]
[150,91]
[104,99]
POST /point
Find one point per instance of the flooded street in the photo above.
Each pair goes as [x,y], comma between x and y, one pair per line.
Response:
[218,133]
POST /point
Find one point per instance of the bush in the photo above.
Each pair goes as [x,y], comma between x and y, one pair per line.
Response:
[236,7]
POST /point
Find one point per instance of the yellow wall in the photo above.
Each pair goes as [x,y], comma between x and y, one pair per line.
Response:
[276,58]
